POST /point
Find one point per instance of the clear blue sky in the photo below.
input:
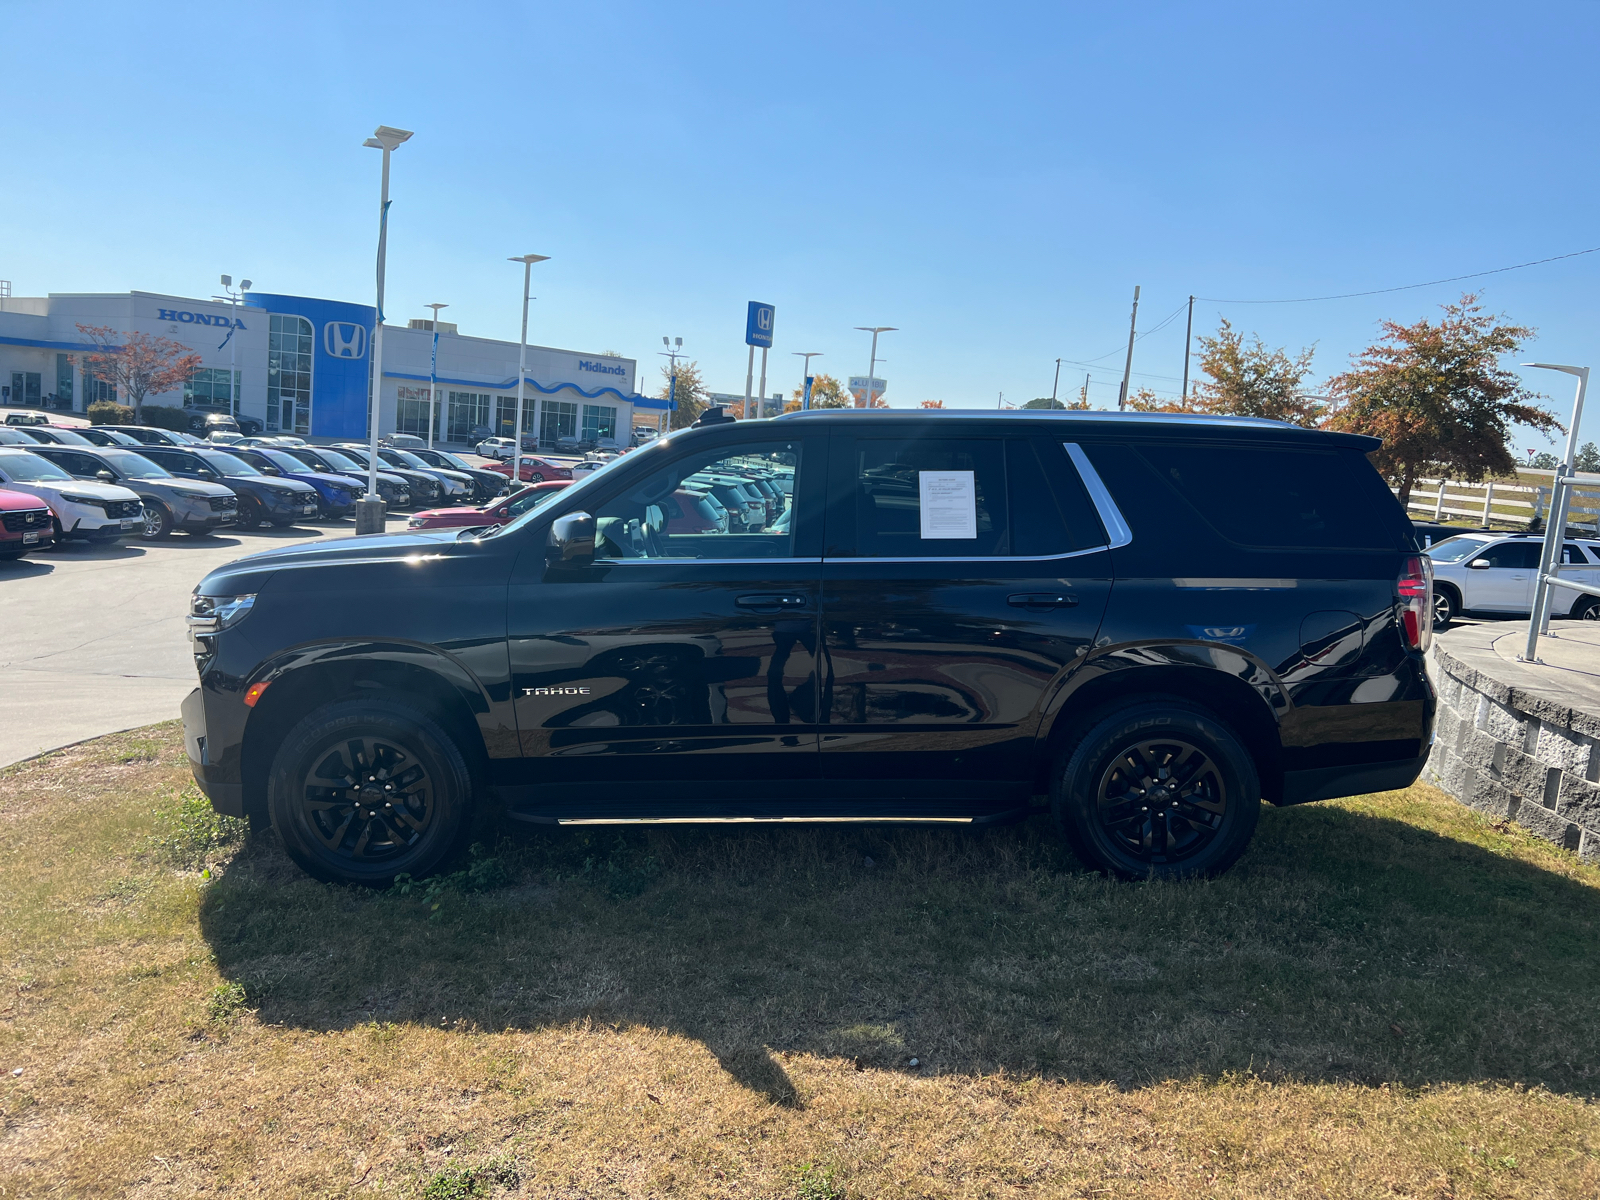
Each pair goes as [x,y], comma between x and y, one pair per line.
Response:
[991,179]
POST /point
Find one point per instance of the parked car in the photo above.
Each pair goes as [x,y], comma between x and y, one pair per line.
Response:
[535,468]
[37,416]
[149,435]
[486,484]
[477,434]
[1482,572]
[496,447]
[1429,532]
[458,485]
[25,525]
[261,498]
[392,489]
[493,514]
[205,421]
[938,641]
[643,435]
[99,435]
[49,435]
[12,435]
[336,494]
[404,441]
[221,437]
[426,490]
[191,505]
[81,510]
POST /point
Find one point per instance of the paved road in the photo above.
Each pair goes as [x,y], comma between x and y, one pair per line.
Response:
[94,638]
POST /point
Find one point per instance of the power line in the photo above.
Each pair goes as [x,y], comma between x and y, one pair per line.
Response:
[1538,262]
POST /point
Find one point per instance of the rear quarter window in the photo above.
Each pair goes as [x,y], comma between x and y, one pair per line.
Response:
[1269,496]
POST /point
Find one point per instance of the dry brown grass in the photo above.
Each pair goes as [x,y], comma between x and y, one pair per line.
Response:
[1388,997]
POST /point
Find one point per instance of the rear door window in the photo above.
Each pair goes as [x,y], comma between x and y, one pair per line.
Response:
[930,498]
[1514,556]
[1279,496]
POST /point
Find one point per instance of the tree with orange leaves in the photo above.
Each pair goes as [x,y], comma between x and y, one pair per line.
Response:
[139,364]
[1436,394]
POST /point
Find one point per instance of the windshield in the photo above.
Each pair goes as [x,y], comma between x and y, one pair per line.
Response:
[228,464]
[134,466]
[1455,549]
[455,461]
[282,459]
[410,459]
[65,437]
[29,468]
[358,457]
[583,487]
[338,462]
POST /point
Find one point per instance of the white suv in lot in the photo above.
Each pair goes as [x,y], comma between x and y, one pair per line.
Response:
[84,509]
[1496,573]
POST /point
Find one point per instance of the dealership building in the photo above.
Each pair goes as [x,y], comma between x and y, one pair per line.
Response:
[303,366]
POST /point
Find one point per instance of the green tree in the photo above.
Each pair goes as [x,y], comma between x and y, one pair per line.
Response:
[1252,381]
[1588,457]
[691,393]
[1436,394]
[1044,402]
[1544,461]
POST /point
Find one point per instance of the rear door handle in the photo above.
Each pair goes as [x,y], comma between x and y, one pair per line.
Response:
[771,600]
[1042,600]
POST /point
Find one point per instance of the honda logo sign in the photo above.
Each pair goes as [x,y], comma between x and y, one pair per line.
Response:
[344,339]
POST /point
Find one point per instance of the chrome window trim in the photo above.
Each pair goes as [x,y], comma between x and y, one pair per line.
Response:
[625,562]
[1110,515]
[977,558]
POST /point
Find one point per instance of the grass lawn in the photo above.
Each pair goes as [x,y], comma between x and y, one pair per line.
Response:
[1387,997]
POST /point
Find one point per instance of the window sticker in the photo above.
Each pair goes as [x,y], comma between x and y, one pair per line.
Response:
[949,503]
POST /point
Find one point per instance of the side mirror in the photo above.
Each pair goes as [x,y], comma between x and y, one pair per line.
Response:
[105,476]
[1479,564]
[571,540]
[271,471]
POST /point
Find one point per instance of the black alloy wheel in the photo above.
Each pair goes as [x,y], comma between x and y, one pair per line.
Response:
[1590,611]
[362,791]
[1158,790]
[250,515]
[157,522]
[1444,609]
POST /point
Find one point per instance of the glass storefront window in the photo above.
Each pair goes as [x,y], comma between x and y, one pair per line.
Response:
[599,421]
[289,376]
[208,388]
[96,389]
[411,411]
[506,415]
[467,411]
[558,419]
[25,387]
[63,381]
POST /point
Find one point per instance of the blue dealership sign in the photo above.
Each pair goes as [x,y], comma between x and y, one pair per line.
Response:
[758,325]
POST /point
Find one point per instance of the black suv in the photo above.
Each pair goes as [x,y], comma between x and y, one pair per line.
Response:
[1145,624]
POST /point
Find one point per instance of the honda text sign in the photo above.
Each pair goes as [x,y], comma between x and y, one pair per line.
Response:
[344,339]
[758,325]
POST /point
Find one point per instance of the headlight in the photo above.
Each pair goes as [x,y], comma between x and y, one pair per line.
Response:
[73,498]
[191,495]
[213,614]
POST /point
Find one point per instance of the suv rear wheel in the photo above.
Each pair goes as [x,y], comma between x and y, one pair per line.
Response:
[1158,790]
[1445,608]
[362,791]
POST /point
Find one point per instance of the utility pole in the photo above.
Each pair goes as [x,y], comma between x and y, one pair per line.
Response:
[1086,389]
[1056,384]
[1188,332]
[1127,367]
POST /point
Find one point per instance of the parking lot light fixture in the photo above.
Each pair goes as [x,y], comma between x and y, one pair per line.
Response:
[872,363]
[433,374]
[370,508]
[805,375]
[527,261]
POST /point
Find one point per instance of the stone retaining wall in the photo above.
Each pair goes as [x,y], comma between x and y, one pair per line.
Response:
[1513,754]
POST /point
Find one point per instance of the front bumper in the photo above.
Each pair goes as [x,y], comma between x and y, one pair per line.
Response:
[226,798]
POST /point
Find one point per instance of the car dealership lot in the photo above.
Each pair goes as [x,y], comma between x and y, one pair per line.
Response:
[96,639]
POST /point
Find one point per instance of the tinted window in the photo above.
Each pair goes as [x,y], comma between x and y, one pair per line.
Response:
[1277,495]
[229,464]
[929,498]
[134,466]
[1572,553]
[29,468]
[1050,511]
[84,466]
[1514,556]
[637,524]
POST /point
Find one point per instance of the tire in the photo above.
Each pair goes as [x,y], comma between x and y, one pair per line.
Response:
[331,831]
[1587,610]
[1199,829]
[535,477]
[1446,608]
[249,513]
[157,523]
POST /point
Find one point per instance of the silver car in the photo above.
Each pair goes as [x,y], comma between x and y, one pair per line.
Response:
[169,502]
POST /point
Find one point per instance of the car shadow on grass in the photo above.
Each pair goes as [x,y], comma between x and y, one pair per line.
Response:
[1346,946]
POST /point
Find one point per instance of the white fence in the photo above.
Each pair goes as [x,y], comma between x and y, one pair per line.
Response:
[1502,501]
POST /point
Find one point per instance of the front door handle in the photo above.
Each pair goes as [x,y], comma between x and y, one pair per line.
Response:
[1043,600]
[771,600]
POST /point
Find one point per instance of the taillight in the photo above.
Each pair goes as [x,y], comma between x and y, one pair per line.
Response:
[1415,589]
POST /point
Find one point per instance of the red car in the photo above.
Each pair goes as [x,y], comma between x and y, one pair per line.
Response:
[491,514]
[535,469]
[26,523]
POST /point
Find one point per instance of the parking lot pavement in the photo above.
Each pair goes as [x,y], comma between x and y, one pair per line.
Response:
[95,639]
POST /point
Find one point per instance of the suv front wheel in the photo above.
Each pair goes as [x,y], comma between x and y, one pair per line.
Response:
[1158,790]
[362,791]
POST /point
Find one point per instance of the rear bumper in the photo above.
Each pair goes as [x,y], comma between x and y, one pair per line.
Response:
[226,798]
[1330,783]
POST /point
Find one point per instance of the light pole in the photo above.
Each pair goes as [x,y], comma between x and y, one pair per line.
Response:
[433,374]
[672,353]
[233,349]
[527,261]
[872,363]
[370,508]
[1056,384]
[805,376]
[1127,367]
[1556,525]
